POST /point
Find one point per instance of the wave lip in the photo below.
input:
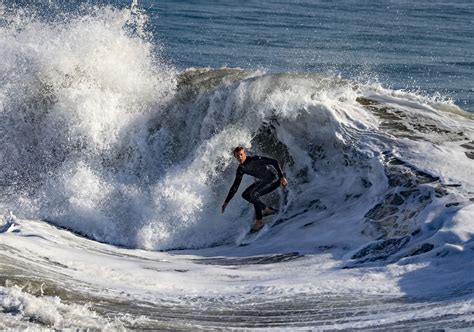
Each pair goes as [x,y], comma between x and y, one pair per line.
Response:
[159,185]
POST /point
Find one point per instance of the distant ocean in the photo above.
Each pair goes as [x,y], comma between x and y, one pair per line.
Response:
[426,46]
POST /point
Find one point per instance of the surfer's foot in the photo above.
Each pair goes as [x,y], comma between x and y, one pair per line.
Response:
[268,211]
[257,226]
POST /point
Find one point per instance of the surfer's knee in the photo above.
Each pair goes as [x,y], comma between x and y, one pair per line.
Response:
[254,196]
[250,196]
[246,196]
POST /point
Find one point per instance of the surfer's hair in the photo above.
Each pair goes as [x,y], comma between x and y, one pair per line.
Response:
[238,149]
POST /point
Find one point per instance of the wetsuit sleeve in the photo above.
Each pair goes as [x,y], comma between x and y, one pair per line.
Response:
[235,185]
[274,163]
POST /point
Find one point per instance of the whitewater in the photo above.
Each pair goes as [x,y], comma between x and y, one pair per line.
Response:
[114,165]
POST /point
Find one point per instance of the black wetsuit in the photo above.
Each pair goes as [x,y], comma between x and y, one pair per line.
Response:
[268,173]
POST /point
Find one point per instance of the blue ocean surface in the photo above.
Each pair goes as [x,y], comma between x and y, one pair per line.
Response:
[415,45]
[422,46]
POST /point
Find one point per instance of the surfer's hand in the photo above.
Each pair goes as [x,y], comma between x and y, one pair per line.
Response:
[223,207]
[283,182]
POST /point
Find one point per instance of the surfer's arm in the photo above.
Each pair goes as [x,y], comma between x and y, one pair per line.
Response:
[235,185]
[275,164]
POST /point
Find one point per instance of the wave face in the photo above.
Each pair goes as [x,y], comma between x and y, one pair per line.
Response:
[102,137]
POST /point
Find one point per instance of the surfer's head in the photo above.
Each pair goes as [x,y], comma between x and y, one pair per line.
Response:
[239,154]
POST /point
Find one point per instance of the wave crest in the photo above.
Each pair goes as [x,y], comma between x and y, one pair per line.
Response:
[102,137]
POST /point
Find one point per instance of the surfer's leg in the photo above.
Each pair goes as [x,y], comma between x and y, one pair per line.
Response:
[247,194]
[264,188]
[268,187]
[252,195]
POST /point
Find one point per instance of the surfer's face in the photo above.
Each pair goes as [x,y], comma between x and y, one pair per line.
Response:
[240,156]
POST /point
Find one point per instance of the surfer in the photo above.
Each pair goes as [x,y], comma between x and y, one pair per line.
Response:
[269,177]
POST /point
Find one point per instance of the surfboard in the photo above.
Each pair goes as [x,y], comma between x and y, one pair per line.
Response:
[250,236]
[9,227]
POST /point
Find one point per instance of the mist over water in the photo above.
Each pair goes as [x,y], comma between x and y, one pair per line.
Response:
[77,96]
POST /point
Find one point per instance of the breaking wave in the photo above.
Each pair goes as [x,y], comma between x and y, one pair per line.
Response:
[103,137]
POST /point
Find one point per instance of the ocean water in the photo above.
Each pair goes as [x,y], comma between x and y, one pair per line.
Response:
[117,122]
[415,45]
